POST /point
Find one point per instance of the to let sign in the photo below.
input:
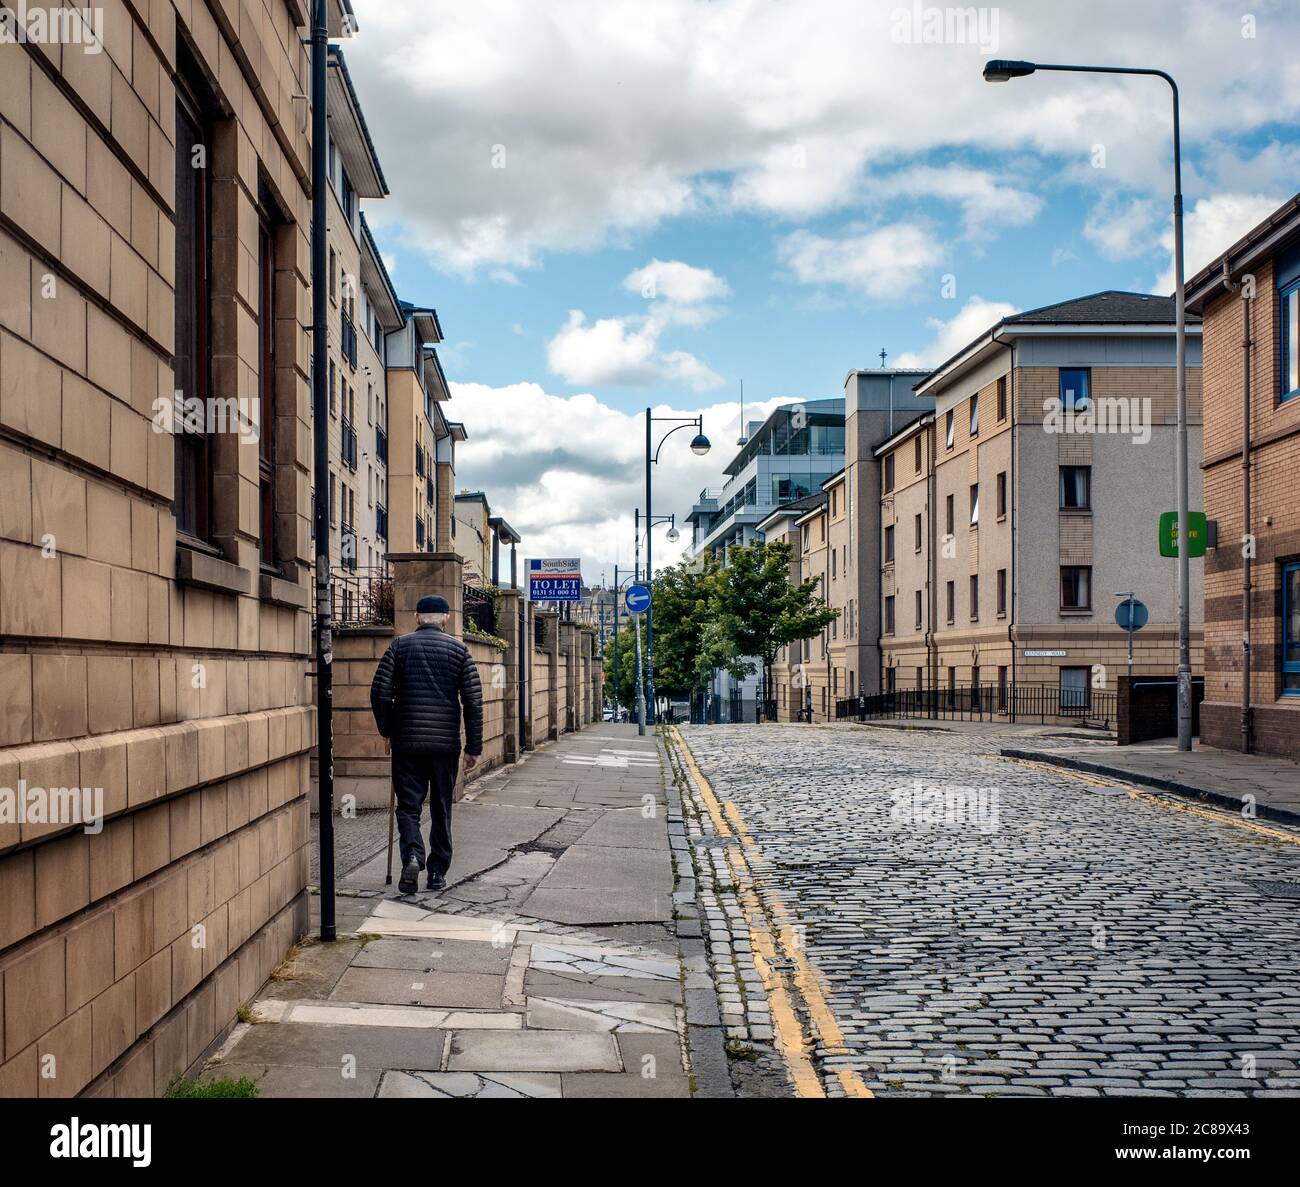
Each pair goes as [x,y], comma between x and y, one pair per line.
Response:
[555,580]
[1197,533]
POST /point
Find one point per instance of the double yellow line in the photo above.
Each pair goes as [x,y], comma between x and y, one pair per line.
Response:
[775,940]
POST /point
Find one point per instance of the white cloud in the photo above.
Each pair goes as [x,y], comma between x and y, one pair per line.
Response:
[675,281]
[623,351]
[567,471]
[976,317]
[1123,228]
[509,129]
[988,205]
[884,264]
[605,351]
[1211,226]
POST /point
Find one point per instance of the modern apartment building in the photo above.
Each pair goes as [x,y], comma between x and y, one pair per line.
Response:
[354,366]
[155,553]
[1010,517]
[1249,299]
[785,457]
[474,535]
[421,440]
[781,459]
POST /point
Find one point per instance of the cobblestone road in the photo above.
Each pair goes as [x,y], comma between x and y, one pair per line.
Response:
[1038,933]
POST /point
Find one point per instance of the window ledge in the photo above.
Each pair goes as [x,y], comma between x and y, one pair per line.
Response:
[209,572]
[1075,611]
[283,593]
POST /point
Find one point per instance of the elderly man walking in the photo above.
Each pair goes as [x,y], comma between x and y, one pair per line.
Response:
[424,682]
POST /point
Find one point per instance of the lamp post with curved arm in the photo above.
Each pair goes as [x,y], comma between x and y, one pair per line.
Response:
[699,446]
[1001,70]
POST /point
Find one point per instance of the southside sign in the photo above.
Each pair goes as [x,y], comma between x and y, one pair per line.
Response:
[555,580]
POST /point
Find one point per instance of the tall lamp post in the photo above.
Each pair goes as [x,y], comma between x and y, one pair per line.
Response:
[645,685]
[699,447]
[1001,70]
[320,434]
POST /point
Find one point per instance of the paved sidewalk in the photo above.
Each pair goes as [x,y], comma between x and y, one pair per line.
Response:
[1270,787]
[551,966]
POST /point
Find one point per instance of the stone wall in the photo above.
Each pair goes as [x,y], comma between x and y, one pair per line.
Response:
[161,671]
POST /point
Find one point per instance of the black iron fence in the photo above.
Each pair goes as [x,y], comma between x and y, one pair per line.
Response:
[480,607]
[362,597]
[539,633]
[1041,704]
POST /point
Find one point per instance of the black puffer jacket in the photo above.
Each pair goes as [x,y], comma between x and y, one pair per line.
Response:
[419,688]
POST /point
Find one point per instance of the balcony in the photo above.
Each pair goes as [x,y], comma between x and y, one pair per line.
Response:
[428,491]
[419,461]
[349,444]
[381,521]
[349,339]
[381,445]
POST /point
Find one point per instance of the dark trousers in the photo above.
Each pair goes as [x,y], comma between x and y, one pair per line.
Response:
[413,776]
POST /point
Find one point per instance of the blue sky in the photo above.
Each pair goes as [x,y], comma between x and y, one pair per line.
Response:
[631,202]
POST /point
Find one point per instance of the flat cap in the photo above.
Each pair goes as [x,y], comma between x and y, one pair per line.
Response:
[432,604]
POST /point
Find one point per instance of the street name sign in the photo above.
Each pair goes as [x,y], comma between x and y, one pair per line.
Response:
[555,580]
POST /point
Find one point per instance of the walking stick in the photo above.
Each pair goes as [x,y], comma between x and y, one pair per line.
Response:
[392,808]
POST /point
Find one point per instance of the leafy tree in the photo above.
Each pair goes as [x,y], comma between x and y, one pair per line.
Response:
[685,599]
[718,650]
[624,642]
[763,609]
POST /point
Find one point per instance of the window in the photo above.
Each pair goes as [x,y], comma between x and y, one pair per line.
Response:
[889,615]
[1076,488]
[348,197]
[951,601]
[890,679]
[333,491]
[190,363]
[1076,587]
[1075,388]
[916,455]
[889,472]
[1289,322]
[889,544]
[334,267]
[806,531]
[333,386]
[920,683]
[974,597]
[1002,689]
[950,430]
[975,415]
[918,609]
[1074,690]
[917,545]
[1002,398]
[950,512]
[834,560]
[266,385]
[1291,630]
[1002,593]
[974,503]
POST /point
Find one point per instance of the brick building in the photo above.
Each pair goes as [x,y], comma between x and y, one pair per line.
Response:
[155,453]
[1010,516]
[1251,294]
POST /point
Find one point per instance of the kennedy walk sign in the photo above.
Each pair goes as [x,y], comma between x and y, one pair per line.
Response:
[555,580]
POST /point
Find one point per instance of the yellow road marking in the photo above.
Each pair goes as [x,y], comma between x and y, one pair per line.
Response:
[786,1026]
[1219,816]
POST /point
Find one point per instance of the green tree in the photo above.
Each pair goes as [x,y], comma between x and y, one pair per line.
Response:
[624,642]
[762,608]
[685,603]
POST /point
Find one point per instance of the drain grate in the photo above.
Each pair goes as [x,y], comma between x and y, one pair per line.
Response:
[1274,888]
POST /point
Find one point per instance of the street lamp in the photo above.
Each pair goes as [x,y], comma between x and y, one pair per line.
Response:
[1003,70]
[699,446]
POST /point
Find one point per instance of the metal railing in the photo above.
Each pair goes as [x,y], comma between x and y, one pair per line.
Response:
[348,548]
[381,444]
[381,521]
[539,633]
[1043,704]
[479,606]
[362,597]
[349,338]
